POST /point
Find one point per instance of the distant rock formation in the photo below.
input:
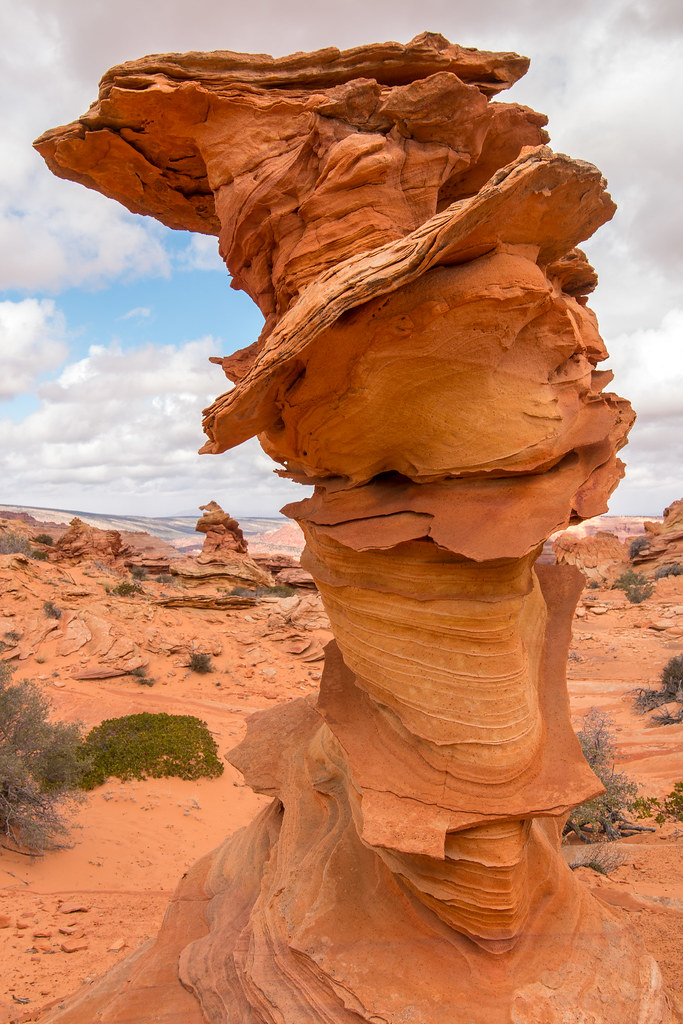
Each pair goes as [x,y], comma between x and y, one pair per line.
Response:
[223,561]
[600,557]
[665,541]
[222,533]
[429,364]
[81,542]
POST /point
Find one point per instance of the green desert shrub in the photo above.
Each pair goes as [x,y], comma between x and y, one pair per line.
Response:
[635,586]
[668,809]
[41,768]
[52,610]
[138,572]
[604,816]
[156,745]
[127,589]
[43,538]
[39,555]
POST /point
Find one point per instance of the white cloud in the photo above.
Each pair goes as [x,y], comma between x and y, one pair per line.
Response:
[32,342]
[139,313]
[201,254]
[607,75]
[648,368]
[119,430]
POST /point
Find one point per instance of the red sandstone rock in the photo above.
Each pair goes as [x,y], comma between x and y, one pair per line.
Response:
[430,365]
[600,557]
[665,540]
[223,561]
[82,541]
[222,533]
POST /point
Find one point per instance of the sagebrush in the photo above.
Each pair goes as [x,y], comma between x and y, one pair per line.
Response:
[41,768]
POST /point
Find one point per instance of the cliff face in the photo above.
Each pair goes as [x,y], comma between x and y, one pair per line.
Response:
[430,364]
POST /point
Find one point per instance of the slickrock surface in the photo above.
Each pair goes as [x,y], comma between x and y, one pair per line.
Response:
[430,364]
[600,557]
[665,540]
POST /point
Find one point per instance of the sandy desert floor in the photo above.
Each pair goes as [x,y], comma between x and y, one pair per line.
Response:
[69,916]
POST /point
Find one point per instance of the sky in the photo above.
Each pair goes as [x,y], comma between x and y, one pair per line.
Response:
[107,319]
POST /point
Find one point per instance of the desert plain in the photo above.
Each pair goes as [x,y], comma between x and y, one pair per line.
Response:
[72,914]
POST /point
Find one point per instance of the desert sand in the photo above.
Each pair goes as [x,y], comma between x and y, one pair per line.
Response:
[133,840]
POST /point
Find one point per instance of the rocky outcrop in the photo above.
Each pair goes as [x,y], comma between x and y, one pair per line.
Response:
[81,542]
[600,557]
[665,541]
[223,561]
[429,364]
[222,533]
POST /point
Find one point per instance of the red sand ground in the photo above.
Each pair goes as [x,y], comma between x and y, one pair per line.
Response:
[133,840]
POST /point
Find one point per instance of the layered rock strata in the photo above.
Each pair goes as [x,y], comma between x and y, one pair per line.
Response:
[223,561]
[665,541]
[601,557]
[429,363]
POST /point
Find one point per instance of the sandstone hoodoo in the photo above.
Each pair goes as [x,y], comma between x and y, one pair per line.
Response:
[223,561]
[429,363]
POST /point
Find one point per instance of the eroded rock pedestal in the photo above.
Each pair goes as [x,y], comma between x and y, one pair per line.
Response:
[428,362]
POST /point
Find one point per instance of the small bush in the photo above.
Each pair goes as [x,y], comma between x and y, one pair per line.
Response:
[670,808]
[278,590]
[164,577]
[199,662]
[127,589]
[637,545]
[602,858]
[138,572]
[673,569]
[51,610]
[12,637]
[593,585]
[603,815]
[39,555]
[13,544]
[635,586]
[41,768]
[160,745]
[243,592]
[140,673]
[43,538]
[670,692]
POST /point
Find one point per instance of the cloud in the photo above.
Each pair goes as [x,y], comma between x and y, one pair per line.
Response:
[201,253]
[607,76]
[119,429]
[32,342]
[139,313]
[648,368]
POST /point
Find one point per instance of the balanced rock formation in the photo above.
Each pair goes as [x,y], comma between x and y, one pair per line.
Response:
[429,363]
[665,540]
[223,560]
[601,557]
